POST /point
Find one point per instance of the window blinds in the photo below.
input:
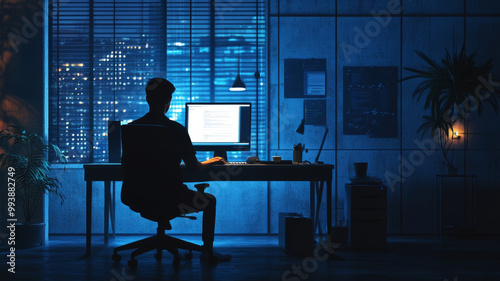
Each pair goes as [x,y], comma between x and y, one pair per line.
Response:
[102,53]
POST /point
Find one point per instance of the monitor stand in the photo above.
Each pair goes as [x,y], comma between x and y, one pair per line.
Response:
[221,153]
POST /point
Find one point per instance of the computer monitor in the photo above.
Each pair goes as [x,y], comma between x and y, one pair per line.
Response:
[219,127]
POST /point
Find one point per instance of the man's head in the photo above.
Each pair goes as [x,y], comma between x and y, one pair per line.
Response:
[159,93]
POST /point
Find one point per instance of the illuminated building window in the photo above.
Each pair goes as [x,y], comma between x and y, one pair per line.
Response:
[89,66]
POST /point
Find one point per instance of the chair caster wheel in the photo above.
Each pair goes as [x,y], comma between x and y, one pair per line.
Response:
[188,256]
[158,256]
[132,263]
[116,257]
[176,262]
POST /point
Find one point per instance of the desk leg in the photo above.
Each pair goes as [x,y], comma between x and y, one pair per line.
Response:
[329,208]
[319,199]
[311,200]
[89,218]
[107,200]
[113,208]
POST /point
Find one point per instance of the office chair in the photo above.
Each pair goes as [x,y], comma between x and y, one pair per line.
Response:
[148,153]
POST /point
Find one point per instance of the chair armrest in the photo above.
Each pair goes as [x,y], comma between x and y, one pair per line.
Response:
[187,217]
[201,187]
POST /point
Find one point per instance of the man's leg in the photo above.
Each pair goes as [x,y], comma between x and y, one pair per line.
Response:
[205,202]
[195,201]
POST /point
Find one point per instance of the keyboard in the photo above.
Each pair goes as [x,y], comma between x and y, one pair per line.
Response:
[260,162]
[274,163]
[235,163]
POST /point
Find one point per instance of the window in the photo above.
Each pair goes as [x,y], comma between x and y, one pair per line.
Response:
[103,52]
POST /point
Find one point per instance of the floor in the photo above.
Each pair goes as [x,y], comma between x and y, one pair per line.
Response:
[260,258]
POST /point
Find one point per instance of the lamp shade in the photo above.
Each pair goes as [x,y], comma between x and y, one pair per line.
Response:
[238,84]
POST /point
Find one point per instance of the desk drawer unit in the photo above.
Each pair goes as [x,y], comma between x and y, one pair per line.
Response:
[366,213]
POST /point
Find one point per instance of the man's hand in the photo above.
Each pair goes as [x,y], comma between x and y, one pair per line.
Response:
[195,166]
[215,160]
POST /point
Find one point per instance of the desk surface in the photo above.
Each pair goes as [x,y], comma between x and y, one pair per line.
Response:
[230,172]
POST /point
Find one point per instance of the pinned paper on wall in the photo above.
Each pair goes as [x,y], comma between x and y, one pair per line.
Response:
[370,101]
[305,78]
[315,112]
[315,83]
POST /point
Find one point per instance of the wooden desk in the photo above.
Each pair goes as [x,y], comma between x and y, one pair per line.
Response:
[316,174]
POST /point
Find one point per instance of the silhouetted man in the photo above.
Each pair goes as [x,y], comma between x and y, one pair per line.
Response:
[158,96]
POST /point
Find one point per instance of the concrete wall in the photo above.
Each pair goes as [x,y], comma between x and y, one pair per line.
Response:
[323,29]
[319,29]
[21,81]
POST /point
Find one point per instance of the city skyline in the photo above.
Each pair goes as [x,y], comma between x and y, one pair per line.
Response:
[118,88]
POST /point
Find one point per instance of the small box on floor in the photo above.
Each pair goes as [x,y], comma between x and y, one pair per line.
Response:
[340,235]
[296,234]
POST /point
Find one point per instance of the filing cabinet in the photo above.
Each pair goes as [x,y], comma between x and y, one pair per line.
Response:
[366,214]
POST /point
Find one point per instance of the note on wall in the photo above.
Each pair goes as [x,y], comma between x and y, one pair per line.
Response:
[305,78]
[370,101]
[315,112]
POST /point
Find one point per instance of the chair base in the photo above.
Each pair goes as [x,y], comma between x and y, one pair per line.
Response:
[160,242]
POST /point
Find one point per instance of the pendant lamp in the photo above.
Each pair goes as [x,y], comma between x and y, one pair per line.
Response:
[238,84]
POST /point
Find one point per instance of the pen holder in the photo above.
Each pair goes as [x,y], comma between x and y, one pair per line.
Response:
[297,156]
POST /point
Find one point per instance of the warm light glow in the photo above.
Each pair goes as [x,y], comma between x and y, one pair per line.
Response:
[455,135]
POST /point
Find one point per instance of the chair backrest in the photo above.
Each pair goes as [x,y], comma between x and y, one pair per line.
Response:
[151,162]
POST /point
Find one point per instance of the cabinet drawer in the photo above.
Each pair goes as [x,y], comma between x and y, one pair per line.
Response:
[368,214]
[369,202]
[368,191]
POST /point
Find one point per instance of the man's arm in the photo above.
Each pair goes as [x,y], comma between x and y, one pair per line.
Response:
[189,154]
[194,165]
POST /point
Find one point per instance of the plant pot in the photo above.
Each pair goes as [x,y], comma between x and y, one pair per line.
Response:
[29,235]
[360,169]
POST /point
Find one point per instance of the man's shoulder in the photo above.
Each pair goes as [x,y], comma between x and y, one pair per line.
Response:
[144,120]
[176,124]
[147,119]
[138,121]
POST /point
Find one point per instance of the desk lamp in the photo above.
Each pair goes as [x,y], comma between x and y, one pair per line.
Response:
[301,128]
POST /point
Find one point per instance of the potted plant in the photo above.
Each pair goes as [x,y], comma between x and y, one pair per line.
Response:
[453,89]
[23,157]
